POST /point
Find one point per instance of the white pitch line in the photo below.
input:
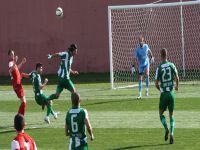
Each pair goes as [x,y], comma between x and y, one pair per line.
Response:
[103,95]
[109,119]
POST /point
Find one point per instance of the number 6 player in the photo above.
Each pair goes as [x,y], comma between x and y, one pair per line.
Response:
[76,122]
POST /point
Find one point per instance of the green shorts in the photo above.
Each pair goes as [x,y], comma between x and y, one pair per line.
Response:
[64,84]
[167,100]
[81,148]
[41,99]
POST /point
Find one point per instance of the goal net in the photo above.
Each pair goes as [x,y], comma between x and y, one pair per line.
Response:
[175,26]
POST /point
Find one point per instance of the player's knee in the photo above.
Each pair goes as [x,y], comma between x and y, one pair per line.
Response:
[171,114]
[161,112]
[57,96]
[23,99]
[49,103]
[73,91]
[147,73]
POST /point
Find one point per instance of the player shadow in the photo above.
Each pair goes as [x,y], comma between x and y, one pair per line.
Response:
[138,146]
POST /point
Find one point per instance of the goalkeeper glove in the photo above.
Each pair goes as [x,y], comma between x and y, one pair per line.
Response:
[152,60]
[49,56]
[132,69]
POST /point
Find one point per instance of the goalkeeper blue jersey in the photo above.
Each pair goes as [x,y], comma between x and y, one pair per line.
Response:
[141,53]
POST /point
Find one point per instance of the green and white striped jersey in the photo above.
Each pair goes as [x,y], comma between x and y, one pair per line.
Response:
[166,73]
[76,124]
[65,65]
[36,80]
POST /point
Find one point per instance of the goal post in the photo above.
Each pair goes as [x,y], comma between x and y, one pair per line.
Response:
[174,26]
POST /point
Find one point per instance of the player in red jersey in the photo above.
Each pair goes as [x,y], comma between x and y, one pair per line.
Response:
[16,79]
[22,141]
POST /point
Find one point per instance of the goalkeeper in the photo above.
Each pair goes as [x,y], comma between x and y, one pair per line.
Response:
[142,53]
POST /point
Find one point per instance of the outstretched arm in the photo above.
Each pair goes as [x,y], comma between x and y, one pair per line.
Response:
[21,63]
[25,75]
[74,71]
[50,56]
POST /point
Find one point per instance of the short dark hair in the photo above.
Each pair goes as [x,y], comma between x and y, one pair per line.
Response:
[10,51]
[19,122]
[75,97]
[141,37]
[164,53]
[38,65]
[72,47]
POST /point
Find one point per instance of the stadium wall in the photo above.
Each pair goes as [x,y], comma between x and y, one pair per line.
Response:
[31,28]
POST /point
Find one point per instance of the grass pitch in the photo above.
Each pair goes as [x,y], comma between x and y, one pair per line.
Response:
[120,122]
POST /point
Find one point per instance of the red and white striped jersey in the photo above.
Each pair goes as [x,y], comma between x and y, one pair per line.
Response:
[23,142]
[15,74]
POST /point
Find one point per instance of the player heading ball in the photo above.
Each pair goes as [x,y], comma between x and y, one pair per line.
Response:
[66,60]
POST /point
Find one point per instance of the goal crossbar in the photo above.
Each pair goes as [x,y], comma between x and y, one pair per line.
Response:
[123,9]
[154,5]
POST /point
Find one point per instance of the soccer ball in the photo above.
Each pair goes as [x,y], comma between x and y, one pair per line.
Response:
[59,12]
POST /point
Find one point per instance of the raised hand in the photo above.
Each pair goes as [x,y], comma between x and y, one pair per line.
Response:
[49,56]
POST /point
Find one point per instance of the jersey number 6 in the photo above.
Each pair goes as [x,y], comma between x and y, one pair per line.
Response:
[73,123]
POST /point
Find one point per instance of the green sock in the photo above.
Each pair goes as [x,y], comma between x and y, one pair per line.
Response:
[52,96]
[163,121]
[49,110]
[172,125]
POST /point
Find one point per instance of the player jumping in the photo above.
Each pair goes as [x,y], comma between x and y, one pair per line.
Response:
[141,53]
[76,122]
[40,98]
[65,69]
[16,79]
[165,74]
